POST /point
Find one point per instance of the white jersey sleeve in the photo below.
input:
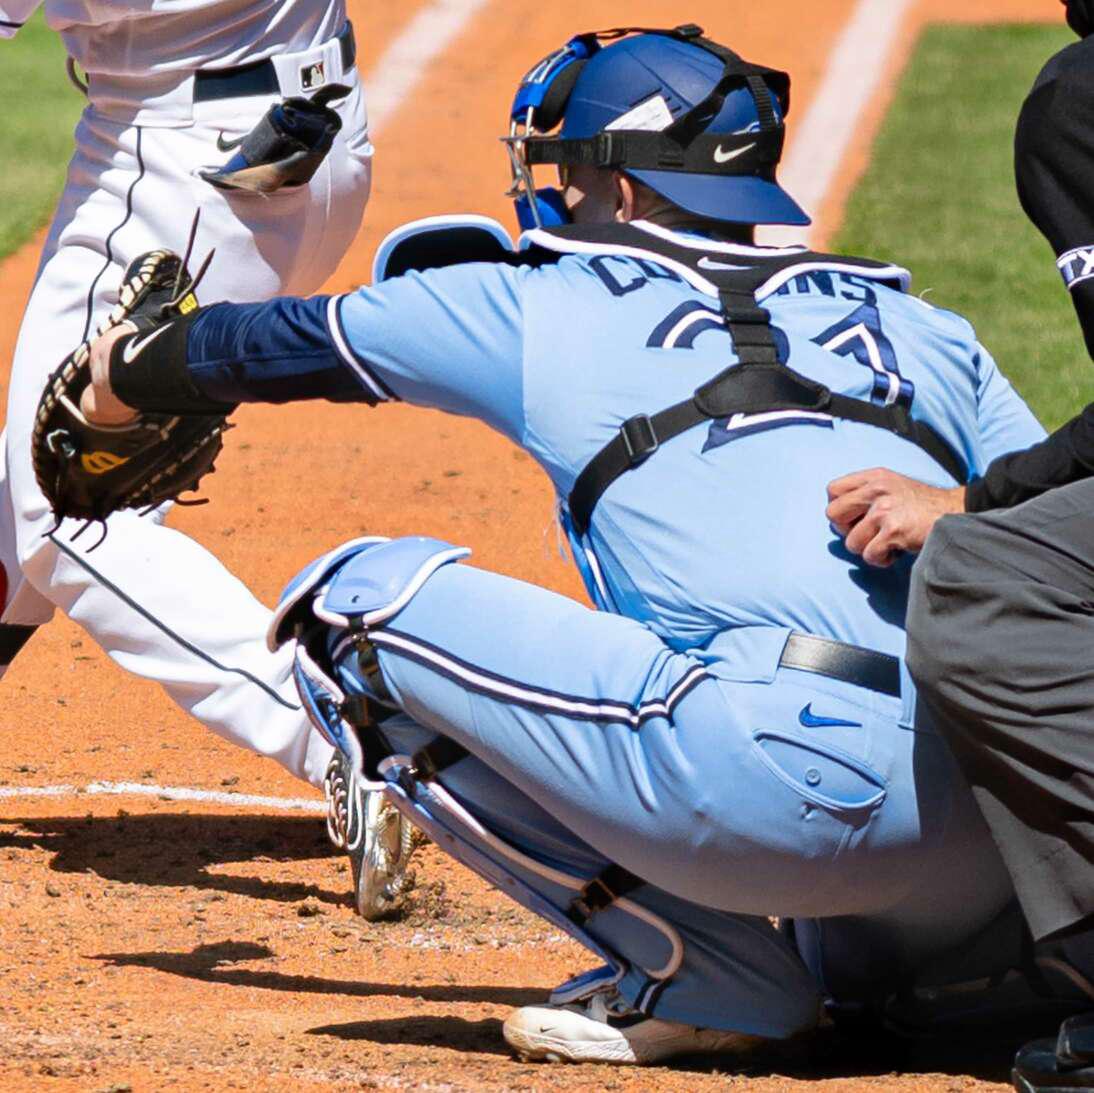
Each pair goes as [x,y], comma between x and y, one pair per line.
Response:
[14,13]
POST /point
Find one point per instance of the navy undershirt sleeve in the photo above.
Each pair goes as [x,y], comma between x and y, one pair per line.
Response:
[277,351]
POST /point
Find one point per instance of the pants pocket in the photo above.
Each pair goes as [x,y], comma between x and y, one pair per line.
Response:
[822,775]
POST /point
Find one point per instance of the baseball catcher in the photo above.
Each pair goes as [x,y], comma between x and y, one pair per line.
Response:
[732,734]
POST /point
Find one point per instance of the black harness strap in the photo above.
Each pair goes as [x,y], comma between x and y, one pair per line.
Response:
[759,382]
[763,388]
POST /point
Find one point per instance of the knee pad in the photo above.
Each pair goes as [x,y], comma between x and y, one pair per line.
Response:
[328,608]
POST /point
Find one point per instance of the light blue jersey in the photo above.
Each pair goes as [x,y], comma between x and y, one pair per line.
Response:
[725,526]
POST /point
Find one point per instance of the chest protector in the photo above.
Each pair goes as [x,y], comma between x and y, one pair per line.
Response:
[760,380]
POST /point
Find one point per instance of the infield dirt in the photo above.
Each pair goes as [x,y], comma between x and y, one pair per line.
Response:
[148,944]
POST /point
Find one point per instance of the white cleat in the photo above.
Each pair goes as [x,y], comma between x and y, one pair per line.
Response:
[602,1028]
[376,837]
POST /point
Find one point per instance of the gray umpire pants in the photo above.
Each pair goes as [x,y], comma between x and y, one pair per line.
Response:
[1001,646]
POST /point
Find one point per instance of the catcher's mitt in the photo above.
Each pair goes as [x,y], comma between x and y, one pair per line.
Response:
[90,471]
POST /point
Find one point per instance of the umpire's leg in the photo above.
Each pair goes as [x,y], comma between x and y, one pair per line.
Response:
[1001,646]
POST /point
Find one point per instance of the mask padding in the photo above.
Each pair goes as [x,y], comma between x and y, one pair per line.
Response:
[549,113]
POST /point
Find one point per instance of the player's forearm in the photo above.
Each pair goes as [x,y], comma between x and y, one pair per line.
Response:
[279,351]
[1066,456]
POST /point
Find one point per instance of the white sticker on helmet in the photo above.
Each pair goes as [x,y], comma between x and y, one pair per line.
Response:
[651,116]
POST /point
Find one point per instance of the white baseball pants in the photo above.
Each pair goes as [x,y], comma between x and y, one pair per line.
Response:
[161,605]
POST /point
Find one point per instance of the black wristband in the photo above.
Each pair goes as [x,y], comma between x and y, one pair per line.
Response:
[148,371]
[977,498]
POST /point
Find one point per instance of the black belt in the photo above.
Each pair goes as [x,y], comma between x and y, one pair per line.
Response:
[837,660]
[259,78]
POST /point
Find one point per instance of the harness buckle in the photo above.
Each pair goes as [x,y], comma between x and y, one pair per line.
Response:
[407,780]
[423,768]
[639,438]
[611,149]
[356,710]
[595,896]
[745,315]
[901,419]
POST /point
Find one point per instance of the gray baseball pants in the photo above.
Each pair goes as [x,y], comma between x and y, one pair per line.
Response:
[1001,646]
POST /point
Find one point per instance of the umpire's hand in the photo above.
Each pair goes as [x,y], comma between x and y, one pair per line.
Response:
[880,513]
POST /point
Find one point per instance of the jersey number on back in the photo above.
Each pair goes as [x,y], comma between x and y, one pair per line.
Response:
[858,335]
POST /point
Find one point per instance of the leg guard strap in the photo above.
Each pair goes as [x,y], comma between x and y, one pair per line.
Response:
[608,887]
[543,889]
[437,755]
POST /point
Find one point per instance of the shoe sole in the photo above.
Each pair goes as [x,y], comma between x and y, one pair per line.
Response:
[537,1048]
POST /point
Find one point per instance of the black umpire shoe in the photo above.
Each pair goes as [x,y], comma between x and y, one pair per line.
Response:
[1062,1065]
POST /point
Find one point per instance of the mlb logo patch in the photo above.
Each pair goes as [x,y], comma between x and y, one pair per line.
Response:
[313,76]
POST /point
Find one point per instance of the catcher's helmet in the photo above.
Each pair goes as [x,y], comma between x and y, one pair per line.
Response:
[679,113]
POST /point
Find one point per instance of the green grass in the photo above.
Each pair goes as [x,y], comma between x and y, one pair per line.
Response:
[939,198]
[36,122]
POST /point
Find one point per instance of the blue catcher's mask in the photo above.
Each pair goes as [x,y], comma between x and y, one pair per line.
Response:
[680,113]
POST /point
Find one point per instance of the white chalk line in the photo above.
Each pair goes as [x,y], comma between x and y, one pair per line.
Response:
[405,62]
[168,793]
[818,146]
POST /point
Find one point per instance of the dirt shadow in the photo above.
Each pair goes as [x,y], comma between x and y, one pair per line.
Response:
[177,850]
[863,1052]
[482,1037]
[831,1053]
[812,1057]
[216,963]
